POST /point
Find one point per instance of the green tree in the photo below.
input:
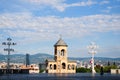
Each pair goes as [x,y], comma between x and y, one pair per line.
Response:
[114,63]
[108,68]
[42,70]
[97,68]
[113,67]
[108,63]
[82,70]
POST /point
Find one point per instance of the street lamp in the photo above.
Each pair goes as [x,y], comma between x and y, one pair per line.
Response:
[92,50]
[9,49]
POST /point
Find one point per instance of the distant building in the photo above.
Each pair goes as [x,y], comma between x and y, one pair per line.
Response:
[79,64]
[34,68]
[3,65]
[27,60]
[115,71]
[60,63]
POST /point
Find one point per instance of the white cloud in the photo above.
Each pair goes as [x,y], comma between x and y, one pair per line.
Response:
[30,28]
[107,10]
[60,5]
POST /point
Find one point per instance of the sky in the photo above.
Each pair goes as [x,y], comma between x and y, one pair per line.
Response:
[36,25]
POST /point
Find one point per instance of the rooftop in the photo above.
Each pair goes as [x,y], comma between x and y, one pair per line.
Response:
[60,42]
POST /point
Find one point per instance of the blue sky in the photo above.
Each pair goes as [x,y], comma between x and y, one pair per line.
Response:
[35,25]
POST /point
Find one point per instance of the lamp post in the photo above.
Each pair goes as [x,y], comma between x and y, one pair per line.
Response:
[92,50]
[9,49]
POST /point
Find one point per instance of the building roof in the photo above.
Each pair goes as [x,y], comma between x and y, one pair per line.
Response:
[60,42]
[71,61]
[50,60]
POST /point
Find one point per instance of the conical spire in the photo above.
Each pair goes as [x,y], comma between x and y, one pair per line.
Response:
[60,42]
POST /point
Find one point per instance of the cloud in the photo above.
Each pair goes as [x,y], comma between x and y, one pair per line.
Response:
[60,5]
[107,10]
[36,5]
[27,27]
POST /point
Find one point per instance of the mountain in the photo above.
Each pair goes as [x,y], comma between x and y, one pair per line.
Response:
[20,58]
[41,57]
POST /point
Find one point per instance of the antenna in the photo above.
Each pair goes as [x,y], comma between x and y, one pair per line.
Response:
[9,49]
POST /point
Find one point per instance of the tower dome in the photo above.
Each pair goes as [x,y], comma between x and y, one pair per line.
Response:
[60,42]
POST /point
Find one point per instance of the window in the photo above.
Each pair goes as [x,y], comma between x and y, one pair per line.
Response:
[55,51]
[69,67]
[73,67]
[55,57]
[50,66]
[62,52]
[63,66]
[54,66]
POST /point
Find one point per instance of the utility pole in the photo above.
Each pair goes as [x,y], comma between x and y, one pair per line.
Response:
[8,49]
[92,50]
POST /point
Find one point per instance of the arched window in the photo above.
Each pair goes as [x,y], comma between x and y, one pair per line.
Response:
[55,51]
[54,66]
[69,67]
[62,52]
[63,65]
[50,66]
[73,67]
[55,57]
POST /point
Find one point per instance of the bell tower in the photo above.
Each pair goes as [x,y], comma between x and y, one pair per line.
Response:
[60,56]
[60,64]
[60,49]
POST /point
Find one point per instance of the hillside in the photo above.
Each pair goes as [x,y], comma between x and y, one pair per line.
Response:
[41,57]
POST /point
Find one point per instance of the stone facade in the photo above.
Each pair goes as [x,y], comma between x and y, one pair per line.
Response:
[60,64]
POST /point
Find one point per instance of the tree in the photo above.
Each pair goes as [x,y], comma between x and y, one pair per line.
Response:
[108,63]
[97,68]
[82,70]
[108,68]
[114,63]
[42,70]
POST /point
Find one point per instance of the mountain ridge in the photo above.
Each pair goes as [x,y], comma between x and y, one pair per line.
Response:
[41,57]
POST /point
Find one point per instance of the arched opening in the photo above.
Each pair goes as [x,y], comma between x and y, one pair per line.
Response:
[73,67]
[55,57]
[63,65]
[62,52]
[54,66]
[55,51]
[117,71]
[50,66]
[69,67]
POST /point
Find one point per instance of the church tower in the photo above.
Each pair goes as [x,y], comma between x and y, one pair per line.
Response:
[60,63]
[60,49]
[60,55]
